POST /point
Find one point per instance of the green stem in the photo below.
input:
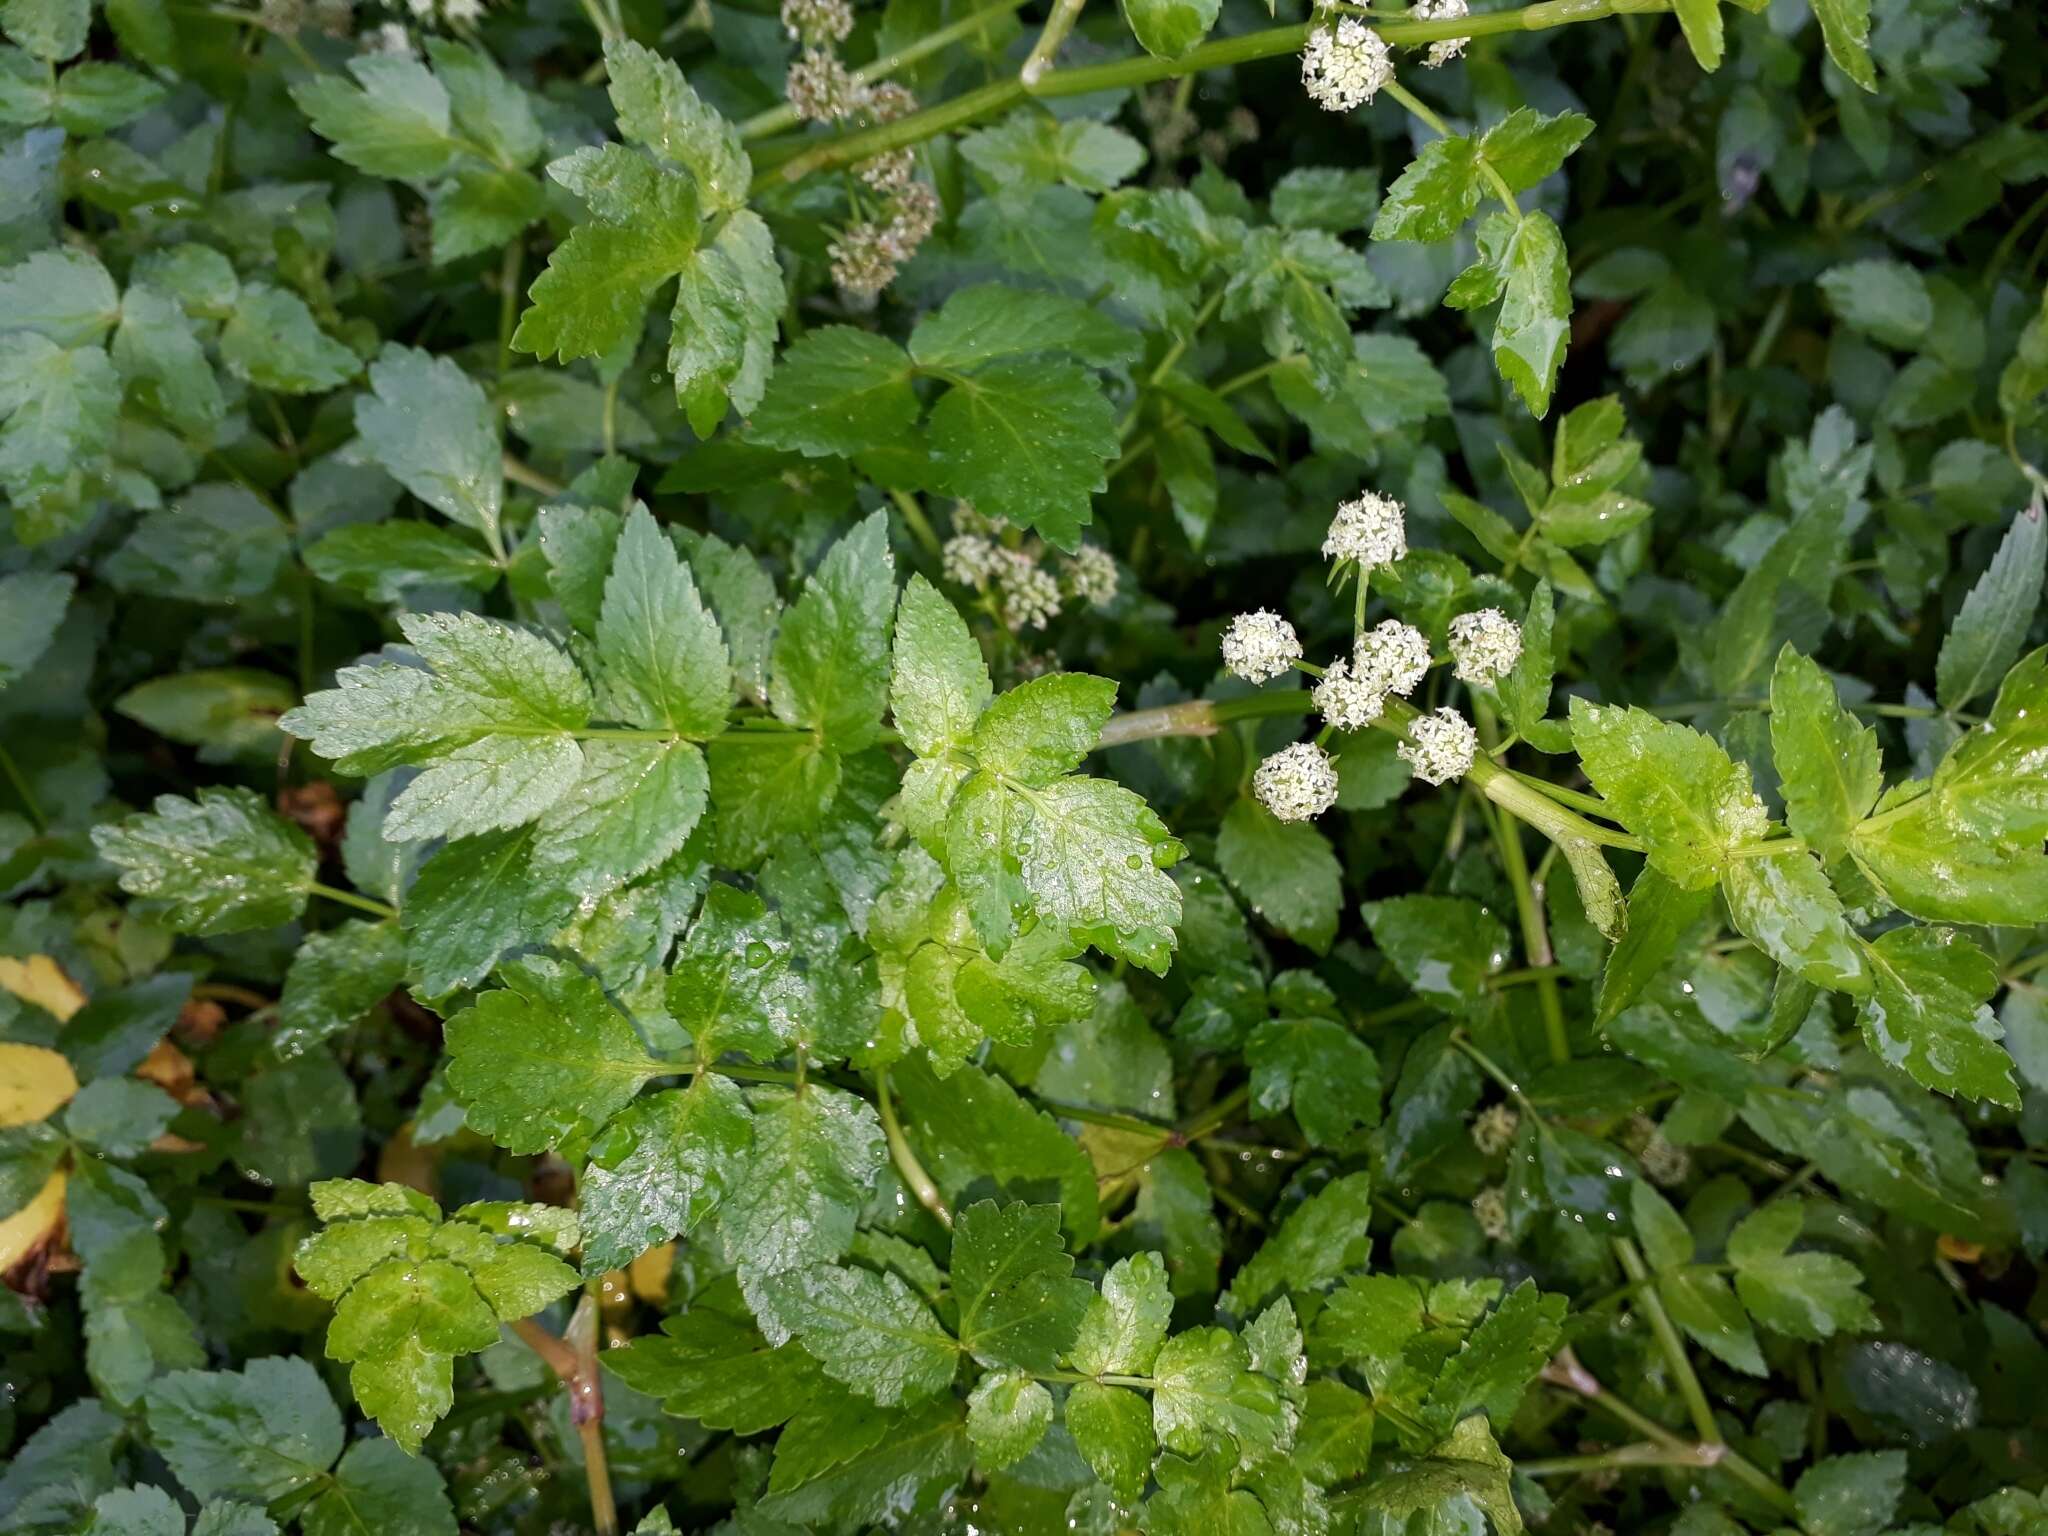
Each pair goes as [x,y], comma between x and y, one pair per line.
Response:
[1670,1343]
[1620,1459]
[519,472]
[793,159]
[1507,838]
[1173,355]
[920,1183]
[1485,1063]
[508,300]
[1064,14]
[368,904]
[783,118]
[20,782]
[920,526]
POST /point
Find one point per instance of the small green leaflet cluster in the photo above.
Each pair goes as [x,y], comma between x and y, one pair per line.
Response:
[412,1292]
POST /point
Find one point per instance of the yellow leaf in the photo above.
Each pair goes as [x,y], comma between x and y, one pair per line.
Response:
[25,1231]
[40,980]
[35,1082]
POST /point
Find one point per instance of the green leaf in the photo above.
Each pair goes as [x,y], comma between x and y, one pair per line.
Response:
[729,304]
[1321,1238]
[1317,1067]
[1886,300]
[1459,1485]
[905,1476]
[1285,871]
[1700,21]
[60,406]
[274,342]
[435,432]
[1166,29]
[1028,442]
[798,1192]
[682,1149]
[337,977]
[1851,1495]
[1994,782]
[393,121]
[1434,196]
[1126,1322]
[49,29]
[545,1060]
[1534,323]
[1447,948]
[1499,1359]
[1993,622]
[1007,1415]
[713,1365]
[1787,908]
[657,108]
[32,605]
[1042,729]
[67,296]
[1671,786]
[940,684]
[1205,1393]
[496,114]
[830,665]
[1829,767]
[1845,28]
[1112,1429]
[662,660]
[1932,868]
[1526,146]
[836,390]
[261,1433]
[733,986]
[1019,1303]
[979,324]
[223,863]
[1927,1014]
[1810,1296]
[226,712]
[633,808]
[868,1330]
[386,561]
[475,900]
[1033,148]
[378,1489]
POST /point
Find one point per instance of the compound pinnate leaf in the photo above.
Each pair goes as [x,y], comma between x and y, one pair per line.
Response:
[867,1329]
[1205,1393]
[801,1187]
[1126,1322]
[1927,1014]
[1019,1303]
[259,1433]
[1673,787]
[664,1165]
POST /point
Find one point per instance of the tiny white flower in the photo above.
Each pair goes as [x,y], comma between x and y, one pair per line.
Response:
[967,520]
[1296,782]
[1485,645]
[1345,65]
[1031,598]
[1441,53]
[1370,531]
[816,23]
[968,559]
[1091,575]
[1490,1210]
[1259,646]
[1392,657]
[1493,1131]
[863,261]
[1440,747]
[821,89]
[391,38]
[1348,700]
[462,13]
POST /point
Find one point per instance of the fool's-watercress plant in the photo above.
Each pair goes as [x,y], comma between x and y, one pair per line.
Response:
[872,769]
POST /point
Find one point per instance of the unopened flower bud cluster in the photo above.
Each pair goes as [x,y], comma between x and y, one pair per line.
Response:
[1029,592]
[1345,63]
[1387,660]
[868,253]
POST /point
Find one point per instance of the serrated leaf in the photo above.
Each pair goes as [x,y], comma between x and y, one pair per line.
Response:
[1534,323]
[393,121]
[868,1330]
[979,324]
[434,431]
[1927,1016]
[1019,1303]
[1809,1296]
[1286,872]
[830,664]
[221,863]
[800,1189]
[1321,1238]
[836,390]
[940,684]
[1992,624]
[1434,196]
[260,1433]
[1829,768]
[1028,442]
[684,1146]
[1007,1415]
[657,108]
[1671,786]
[1205,1393]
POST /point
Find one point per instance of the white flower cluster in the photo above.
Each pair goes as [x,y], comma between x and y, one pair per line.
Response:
[867,255]
[1493,1129]
[1392,657]
[1490,1210]
[1028,593]
[820,23]
[1440,747]
[1296,782]
[1260,646]
[1345,65]
[1450,48]
[1347,699]
[1664,1162]
[1370,531]
[1091,575]
[1486,645]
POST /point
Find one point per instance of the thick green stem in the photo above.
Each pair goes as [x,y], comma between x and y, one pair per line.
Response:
[367,904]
[792,160]
[919,1182]
[1507,838]
[1064,14]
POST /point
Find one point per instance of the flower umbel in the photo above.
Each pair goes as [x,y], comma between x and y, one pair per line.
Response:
[1392,657]
[1370,531]
[1490,1210]
[1259,646]
[1091,575]
[1031,598]
[1296,782]
[1345,65]
[1441,53]
[1485,645]
[1348,700]
[1493,1130]
[1440,747]
[819,23]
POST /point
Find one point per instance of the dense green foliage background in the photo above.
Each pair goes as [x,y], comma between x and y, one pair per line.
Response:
[638,898]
